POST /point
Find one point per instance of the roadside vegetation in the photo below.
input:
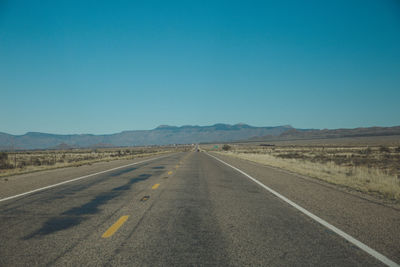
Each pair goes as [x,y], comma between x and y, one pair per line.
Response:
[19,162]
[370,169]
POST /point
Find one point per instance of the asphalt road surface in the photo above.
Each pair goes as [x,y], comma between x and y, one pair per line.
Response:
[186,209]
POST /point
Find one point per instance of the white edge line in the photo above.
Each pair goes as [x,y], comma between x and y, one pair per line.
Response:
[76,179]
[362,246]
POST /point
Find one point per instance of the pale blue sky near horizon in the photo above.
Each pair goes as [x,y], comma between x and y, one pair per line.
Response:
[101,67]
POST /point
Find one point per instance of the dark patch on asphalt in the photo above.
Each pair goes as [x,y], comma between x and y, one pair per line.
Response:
[159,167]
[75,215]
[56,193]
[72,189]
[123,171]
[56,224]
[132,181]
[92,207]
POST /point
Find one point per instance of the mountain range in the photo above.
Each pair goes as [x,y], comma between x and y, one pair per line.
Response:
[309,134]
[162,135]
[188,134]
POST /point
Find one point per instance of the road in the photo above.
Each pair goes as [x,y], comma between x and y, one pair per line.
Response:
[185,209]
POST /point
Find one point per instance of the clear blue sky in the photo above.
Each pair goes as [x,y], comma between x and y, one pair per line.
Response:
[108,66]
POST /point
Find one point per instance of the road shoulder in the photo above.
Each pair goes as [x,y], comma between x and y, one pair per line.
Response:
[371,222]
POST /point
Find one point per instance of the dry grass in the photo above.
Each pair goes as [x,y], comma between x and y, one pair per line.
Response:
[12,163]
[373,170]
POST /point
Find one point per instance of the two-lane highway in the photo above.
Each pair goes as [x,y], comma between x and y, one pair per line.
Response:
[181,209]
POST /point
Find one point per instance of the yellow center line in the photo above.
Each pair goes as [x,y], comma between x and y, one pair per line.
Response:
[115,227]
[170,172]
[155,186]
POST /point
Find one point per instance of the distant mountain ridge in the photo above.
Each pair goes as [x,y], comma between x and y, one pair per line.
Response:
[162,135]
[308,134]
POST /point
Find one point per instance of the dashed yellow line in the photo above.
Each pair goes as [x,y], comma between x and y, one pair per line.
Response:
[155,186]
[115,227]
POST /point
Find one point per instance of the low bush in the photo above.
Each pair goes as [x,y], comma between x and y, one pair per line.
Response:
[226,147]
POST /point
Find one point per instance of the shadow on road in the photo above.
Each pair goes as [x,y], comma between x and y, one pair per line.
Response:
[76,215]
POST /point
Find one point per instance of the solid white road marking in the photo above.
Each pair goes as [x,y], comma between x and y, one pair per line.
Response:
[348,237]
[76,179]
